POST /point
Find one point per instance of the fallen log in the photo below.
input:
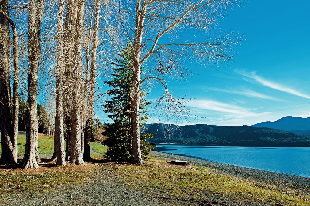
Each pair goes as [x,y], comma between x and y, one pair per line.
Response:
[179,162]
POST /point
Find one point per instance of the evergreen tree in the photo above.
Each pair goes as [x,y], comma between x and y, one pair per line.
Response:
[119,132]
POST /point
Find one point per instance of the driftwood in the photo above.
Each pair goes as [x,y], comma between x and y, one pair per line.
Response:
[179,162]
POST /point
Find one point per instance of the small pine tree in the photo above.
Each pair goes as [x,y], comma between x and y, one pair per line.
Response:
[119,132]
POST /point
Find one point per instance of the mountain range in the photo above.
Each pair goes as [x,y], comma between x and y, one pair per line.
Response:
[203,134]
[293,124]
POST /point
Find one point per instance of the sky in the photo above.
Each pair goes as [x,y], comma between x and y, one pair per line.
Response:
[268,78]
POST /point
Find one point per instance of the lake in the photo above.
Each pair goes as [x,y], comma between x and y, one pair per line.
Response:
[287,160]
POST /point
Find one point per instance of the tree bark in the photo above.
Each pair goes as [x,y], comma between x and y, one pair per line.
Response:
[59,122]
[68,70]
[135,96]
[8,142]
[76,149]
[68,142]
[92,81]
[15,91]
[35,18]
[15,86]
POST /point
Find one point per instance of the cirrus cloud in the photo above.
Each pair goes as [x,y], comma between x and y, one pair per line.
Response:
[221,107]
[248,93]
[273,85]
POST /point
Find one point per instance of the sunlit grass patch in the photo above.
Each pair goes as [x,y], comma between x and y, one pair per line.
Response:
[21,141]
[96,156]
[98,147]
[198,182]
[46,144]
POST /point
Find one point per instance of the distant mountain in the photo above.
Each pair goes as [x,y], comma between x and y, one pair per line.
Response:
[202,134]
[292,124]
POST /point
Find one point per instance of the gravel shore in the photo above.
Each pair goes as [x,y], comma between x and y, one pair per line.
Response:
[106,188]
[278,179]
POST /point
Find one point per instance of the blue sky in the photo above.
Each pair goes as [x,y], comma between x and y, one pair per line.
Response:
[269,77]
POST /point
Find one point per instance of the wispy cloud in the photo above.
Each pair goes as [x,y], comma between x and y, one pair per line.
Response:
[272,85]
[248,93]
[220,107]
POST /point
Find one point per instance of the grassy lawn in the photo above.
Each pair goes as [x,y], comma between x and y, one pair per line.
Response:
[13,181]
[98,148]
[46,146]
[193,182]
[43,179]
[156,176]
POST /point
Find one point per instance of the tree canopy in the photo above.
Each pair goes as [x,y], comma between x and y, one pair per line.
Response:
[54,51]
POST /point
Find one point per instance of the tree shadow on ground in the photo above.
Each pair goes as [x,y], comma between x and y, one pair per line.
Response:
[47,162]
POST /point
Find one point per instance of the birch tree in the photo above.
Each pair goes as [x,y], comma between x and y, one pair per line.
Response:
[74,23]
[157,40]
[68,53]
[35,18]
[92,81]
[59,121]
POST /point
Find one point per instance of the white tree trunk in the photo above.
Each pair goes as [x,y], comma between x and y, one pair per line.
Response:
[59,122]
[135,92]
[76,149]
[68,60]
[92,81]
[35,18]
[15,91]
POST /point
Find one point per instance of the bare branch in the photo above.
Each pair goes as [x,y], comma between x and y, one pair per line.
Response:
[169,28]
[19,7]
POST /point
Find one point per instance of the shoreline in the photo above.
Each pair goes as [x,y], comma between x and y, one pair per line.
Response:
[278,179]
[158,183]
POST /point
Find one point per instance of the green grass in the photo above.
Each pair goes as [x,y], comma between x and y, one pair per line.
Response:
[191,182]
[46,146]
[21,141]
[14,181]
[155,176]
[99,148]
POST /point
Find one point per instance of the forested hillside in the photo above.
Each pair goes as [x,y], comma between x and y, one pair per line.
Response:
[202,134]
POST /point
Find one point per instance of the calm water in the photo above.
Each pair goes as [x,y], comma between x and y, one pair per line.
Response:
[287,160]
